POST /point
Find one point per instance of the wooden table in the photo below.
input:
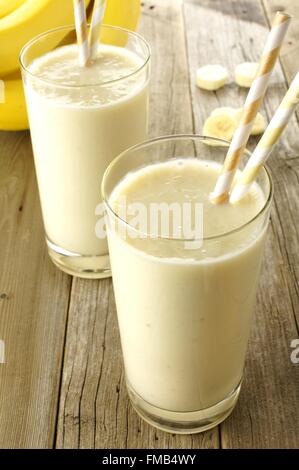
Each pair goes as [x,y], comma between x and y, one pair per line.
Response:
[62,384]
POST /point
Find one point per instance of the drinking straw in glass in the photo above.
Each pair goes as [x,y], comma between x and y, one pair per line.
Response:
[251,107]
[270,137]
[81,30]
[96,21]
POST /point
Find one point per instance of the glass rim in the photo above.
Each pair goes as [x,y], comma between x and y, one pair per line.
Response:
[40,36]
[175,137]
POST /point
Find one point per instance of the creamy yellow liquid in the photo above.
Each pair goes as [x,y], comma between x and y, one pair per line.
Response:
[77,131]
[184,315]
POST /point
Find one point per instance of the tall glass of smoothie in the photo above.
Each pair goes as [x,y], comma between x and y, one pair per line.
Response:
[185,286]
[80,119]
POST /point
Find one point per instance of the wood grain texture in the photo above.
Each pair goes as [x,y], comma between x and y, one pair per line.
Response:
[266,415]
[33,306]
[94,408]
[289,55]
[37,300]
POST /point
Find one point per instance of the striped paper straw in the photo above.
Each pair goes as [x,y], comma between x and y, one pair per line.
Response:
[251,107]
[97,17]
[81,30]
[268,141]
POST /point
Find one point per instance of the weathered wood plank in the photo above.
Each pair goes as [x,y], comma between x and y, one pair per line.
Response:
[265,415]
[33,306]
[94,408]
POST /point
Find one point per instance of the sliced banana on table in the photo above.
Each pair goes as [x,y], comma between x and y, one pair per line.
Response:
[259,124]
[245,73]
[223,122]
[211,77]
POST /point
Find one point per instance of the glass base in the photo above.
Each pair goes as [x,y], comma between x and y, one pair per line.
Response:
[184,422]
[84,266]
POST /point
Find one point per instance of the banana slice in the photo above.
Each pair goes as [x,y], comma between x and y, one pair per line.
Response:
[222,123]
[211,77]
[259,124]
[245,73]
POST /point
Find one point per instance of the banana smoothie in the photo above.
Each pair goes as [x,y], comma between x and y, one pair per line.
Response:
[184,314]
[80,119]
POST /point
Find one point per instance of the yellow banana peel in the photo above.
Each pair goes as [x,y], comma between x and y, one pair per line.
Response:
[13,114]
[7,6]
[30,18]
[122,13]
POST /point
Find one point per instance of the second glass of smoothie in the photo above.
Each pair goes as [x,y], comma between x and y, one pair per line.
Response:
[184,297]
[80,119]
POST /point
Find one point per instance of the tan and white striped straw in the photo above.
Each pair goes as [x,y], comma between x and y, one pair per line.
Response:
[81,30]
[251,107]
[267,142]
[96,21]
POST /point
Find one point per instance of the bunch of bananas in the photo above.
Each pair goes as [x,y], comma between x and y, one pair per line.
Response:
[20,21]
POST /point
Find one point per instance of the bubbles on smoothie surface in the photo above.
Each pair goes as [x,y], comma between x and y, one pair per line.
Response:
[61,67]
[187,180]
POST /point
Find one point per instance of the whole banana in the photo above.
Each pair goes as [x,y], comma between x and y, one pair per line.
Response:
[7,6]
[28,19]
[13,114]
